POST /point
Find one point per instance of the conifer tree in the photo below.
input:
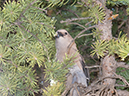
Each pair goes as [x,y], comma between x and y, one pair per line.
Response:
[105,46]
[26,40]
[26,35]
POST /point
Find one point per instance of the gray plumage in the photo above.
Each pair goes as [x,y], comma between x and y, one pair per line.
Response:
[77,72]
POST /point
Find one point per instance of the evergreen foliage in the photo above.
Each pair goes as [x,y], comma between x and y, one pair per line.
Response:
[26,35]
[54,90]
[119,47]
[26,39]
[57,71]
[100,47]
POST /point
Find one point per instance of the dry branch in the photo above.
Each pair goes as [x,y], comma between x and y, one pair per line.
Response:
[95,66]
[75,19]
[123,65]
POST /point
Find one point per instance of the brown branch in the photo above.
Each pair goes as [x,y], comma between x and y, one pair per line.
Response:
[59,12]
[123,65]
[121,78]
[72,86]
[123,22]
[75,19]
[66,90]
[117,85]
[75,86]
[82,4]
[113,77]
[101,90]
[70,45]
[94,70]
[92,89]
[84,31]
[95,66]
[41,9]
[123,93]
[85,35]
[88,23]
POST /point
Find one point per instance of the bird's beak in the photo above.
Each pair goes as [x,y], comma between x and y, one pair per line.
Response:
[57,35]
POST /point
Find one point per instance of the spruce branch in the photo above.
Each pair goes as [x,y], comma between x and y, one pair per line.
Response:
[22,27]
[27,8]
[84,31]
[41,9]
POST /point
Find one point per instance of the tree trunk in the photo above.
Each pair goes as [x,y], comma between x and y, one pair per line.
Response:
[108,62]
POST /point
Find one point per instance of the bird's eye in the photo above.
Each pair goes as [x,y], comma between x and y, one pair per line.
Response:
[65,33]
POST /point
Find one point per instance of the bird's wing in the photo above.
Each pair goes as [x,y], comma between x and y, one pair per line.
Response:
[79,62]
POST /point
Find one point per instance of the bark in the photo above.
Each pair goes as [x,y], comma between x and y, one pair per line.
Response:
[109,68]
[122,93]
[108,62]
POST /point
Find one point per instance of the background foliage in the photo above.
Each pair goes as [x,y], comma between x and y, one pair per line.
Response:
[26,35]
[26,40]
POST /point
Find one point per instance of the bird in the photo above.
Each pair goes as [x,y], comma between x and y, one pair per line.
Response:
[65,44]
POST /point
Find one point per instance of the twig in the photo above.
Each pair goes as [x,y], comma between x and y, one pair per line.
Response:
[94,70]
[85,35]
[82,4]
[123,65]
[72,86]
[88,23]
[59,12]
[122,78]
[70,45]
[117,85]
[75,86]
[66,90]
[74,19]
[121,24]
[116,92]
[123,93]
[71,92]
[95,66]
[41,9]
[84,31]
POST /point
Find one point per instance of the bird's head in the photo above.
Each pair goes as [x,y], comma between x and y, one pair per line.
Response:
[63,37]
[62,33]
